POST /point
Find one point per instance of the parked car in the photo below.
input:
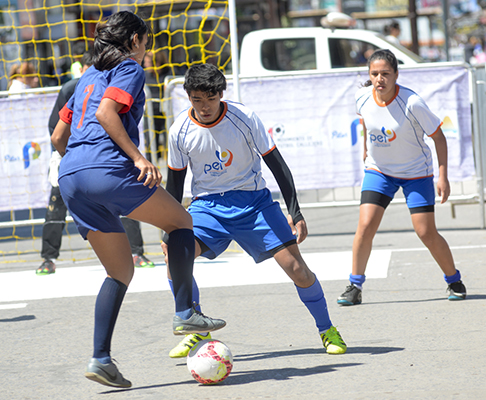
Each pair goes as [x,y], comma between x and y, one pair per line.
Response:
[270,52]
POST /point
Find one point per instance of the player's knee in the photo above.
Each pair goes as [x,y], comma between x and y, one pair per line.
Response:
[301,274]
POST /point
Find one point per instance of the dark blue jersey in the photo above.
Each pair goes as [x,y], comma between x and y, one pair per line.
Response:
[89,146]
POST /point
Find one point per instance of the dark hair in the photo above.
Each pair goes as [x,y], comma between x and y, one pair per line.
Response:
[205,78]
[392,25]
[88,58]
[114,37]
[395,25]
[382,54]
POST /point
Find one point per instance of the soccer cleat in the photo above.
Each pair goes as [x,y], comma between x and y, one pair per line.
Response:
[457,291]
[186,344]
[350,297]
[142,262]
[333,342]
[197,323]
[106,374]
[47,267]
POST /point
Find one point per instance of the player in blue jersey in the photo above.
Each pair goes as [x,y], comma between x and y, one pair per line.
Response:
[395,121]
[103,175]
[224,142]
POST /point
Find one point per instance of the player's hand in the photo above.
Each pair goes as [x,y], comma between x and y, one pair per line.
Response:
[443,189]
[299,230]
[149,172]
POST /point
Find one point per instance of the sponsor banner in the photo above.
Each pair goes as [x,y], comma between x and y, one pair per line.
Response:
[314,123]
[25,151]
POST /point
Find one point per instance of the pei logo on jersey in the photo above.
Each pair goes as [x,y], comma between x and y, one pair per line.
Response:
[383,139]
[225,159]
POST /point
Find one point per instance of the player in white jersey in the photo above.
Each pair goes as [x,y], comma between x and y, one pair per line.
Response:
[223,143]
[395,120]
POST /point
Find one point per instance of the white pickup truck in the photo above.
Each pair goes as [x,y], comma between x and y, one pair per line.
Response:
[270,52]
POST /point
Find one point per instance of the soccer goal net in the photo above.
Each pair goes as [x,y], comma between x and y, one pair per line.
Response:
[44,40]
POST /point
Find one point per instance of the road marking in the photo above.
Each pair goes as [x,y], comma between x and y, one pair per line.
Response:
[235,270]
[12,306]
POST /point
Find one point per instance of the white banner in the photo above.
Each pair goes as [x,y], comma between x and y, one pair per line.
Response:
[25,151]
[314,123]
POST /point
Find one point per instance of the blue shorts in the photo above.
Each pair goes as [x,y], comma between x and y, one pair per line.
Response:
[250,218]
[419,193]
[97,197]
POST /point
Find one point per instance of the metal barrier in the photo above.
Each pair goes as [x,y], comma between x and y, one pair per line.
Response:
[465,192]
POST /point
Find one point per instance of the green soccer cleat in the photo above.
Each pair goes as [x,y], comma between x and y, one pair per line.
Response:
[186,344]
[333,342]
[47,267]
[142,262]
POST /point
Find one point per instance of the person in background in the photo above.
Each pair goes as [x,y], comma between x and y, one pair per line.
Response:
[392,32]
[22,77]
[155,73]
[77,65]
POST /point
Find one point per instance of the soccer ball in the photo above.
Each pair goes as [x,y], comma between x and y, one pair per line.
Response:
[210,361]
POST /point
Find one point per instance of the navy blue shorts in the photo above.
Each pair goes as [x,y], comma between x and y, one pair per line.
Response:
[250,218]
[97,197]
[419,193]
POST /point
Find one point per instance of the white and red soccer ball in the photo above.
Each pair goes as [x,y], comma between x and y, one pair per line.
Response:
[210,361]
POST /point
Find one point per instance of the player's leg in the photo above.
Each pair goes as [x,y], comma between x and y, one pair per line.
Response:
[177,222]
[377,191]
[52,232]
[206,230]
[87,194]
[420,196]
[134,233]
[190,340]
[424,225]
[311,294]
[113,251]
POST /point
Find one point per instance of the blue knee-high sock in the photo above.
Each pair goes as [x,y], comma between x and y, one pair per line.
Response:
[453,278]
[181,248]
[314,300]
[107,306]
[195,293]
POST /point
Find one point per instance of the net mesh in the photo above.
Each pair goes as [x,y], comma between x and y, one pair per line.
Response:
[52,37]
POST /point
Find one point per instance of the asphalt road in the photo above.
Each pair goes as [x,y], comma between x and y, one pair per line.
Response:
[406,341]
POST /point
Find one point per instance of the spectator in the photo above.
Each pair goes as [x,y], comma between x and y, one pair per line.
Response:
[22,77]
[392,32]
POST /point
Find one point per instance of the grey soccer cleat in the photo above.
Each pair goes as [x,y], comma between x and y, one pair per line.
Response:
[350,297]
[106,374]
[197,323]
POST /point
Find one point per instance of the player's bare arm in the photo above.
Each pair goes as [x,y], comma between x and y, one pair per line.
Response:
[107,115]
[365,150]
[60,136]
[443,186]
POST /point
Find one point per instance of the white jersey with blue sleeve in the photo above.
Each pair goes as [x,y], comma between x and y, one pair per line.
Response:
[396,133]
[223,156]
